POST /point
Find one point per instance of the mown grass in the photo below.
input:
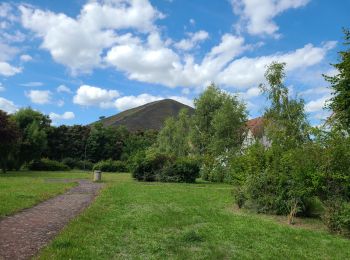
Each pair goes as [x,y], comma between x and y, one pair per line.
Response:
[20,190]
[133,220]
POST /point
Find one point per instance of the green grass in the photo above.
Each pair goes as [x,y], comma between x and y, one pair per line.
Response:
[20,190]
[131,220]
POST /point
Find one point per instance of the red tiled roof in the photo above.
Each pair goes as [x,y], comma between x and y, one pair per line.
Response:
[256,125]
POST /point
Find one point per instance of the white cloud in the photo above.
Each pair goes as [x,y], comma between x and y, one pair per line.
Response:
[315,91]
[2,87]
[257,15]
[160,64]
[32,84]
[192,21]
[94,96]
[128,102]
[65,116]
[78,43]
[7,105]
[8,70]
[245,72]
[63,88]
[317,105]
[40,97]
[25,58]
[192,41]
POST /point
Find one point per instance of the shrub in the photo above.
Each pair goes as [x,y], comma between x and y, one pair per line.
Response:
[181,170]
[337,216]
[149,167]
[70,162]
[84,165]
[47,165]
[110,166]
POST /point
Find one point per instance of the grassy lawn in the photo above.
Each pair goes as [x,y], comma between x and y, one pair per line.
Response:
[19,190]
[131,220]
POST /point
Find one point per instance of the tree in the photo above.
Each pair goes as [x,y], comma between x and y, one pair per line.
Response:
[340,84]
[9,138]
[285,119]
[174,137]
[105,143]
[217,122]
[33,128]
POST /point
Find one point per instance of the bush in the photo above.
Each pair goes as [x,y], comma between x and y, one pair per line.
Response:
[337,217]
[70,162]
[149,167]
[47,165]
[181,170]
[110,166]
[84,165]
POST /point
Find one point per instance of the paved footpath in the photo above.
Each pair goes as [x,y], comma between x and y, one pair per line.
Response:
[25,233]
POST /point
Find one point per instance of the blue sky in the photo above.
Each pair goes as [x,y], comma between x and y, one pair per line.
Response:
[78,60]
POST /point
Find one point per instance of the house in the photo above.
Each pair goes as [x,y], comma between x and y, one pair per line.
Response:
[255,132]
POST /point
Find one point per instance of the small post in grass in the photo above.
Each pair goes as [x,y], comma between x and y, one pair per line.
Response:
[97,176]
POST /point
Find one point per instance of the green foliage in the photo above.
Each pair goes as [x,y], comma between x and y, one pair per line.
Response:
[180,170]
[149,167]
[84,165]
[67,141]
[337,216]
[174,137]
[218,122]
[33,128]
[47,165]
[9,139]
[285,120]
[70,162]
[105,143]
[110,166]
[340,84]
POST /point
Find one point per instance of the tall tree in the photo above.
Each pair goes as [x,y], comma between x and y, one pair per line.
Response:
[285,119]
[174,136]
[217,121]
[9,138]
[340,84]
[33,128]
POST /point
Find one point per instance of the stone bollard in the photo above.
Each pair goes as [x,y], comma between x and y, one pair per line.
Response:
[97,176]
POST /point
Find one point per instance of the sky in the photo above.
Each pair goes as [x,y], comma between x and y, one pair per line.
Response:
[78,60]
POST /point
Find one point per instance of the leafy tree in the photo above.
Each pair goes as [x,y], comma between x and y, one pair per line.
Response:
[340,83]
[174,137]
[105,143]
[33,128]
[9,138]
[285,119]
[67,142]
[217,122]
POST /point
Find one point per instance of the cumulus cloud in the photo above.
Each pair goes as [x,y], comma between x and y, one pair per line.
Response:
[317,105]
[78,43]
[40,97]
[257,16]
[128,102]
[7,105]
[2,87]
[160,64]
[65,116]
[63,88]
[94,96]
[25,58]
[8,70]
[245,72]
[192,41]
